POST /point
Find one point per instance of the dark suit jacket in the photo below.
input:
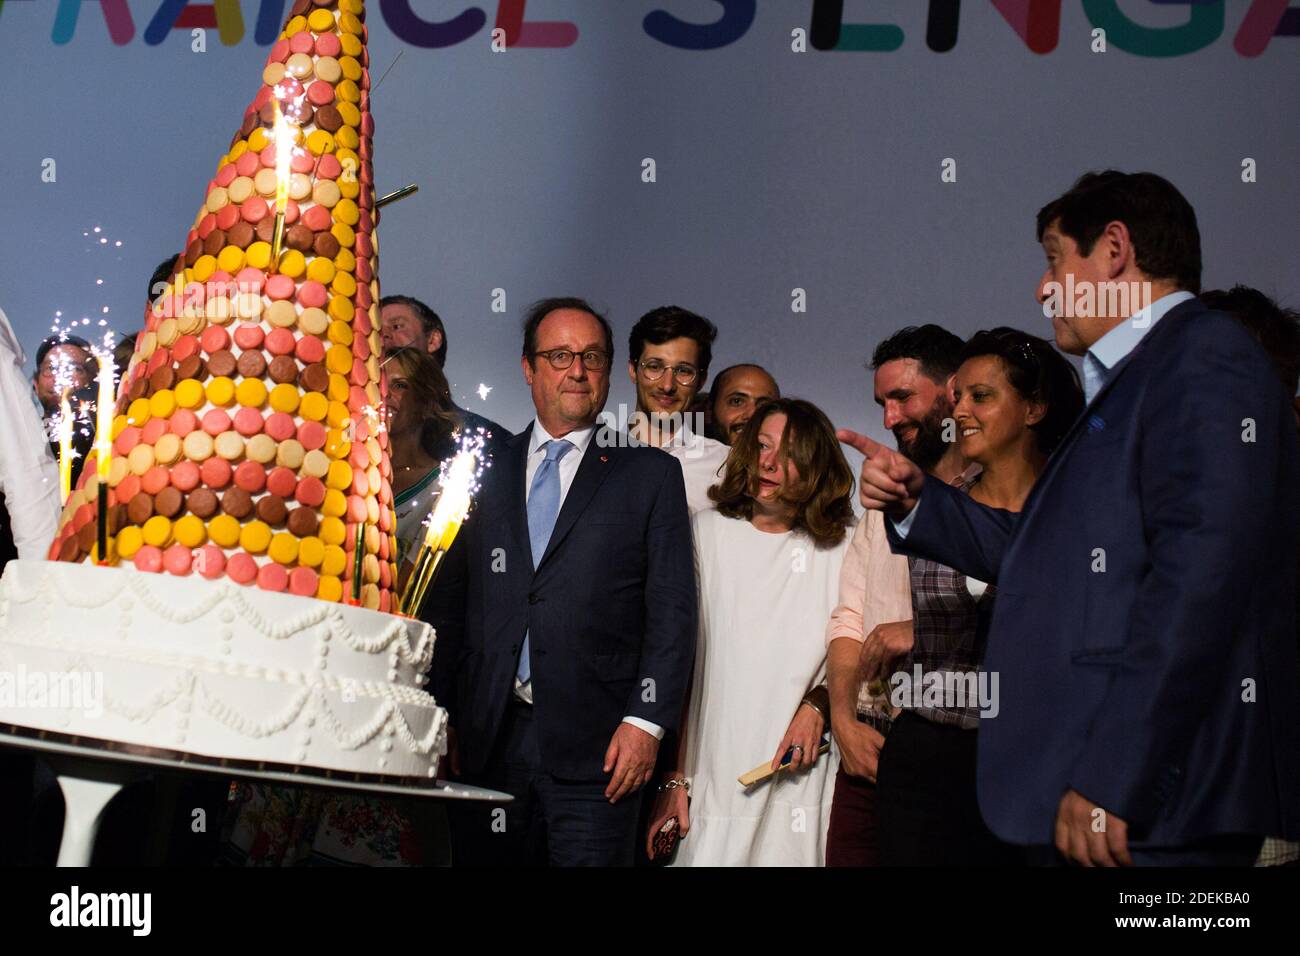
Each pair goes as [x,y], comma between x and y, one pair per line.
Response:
[611,608]
[1127,684]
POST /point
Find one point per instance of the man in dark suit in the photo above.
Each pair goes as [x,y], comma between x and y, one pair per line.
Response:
[1145,627]
[579,616]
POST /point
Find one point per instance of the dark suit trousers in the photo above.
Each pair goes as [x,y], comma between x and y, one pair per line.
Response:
[550,822]
[853,838]
[929,814]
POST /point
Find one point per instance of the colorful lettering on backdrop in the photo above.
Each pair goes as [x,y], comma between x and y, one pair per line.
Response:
[1036,22]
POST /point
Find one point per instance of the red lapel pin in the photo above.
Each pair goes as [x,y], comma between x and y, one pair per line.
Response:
[604,457]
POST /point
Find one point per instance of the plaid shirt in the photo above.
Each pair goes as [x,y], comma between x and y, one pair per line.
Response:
[950,631]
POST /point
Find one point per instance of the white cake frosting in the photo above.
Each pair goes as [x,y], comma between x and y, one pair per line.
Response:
[217,670]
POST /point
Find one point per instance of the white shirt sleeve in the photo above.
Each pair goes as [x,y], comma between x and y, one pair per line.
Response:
[653,730]
[28,476]
[904,526]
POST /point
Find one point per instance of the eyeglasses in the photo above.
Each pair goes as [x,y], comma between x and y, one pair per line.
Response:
[653,370]
[593,360]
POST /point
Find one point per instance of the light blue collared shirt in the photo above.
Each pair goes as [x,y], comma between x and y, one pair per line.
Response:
[1111,349]
[1107,352]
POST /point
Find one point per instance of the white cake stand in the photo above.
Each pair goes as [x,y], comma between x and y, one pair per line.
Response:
[90,776]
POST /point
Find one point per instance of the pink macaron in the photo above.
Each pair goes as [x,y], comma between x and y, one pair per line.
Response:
[216,422]
[280,342]
[155,480]
[280,425]
[312,435]
[251,476]
[303,581]
[178,560]
[280,287]
[214,339]
[310,492]
[272,577]
[249,335]
[241,568]
[317,218]
[309,350]
[126,440]
[311,293]
[187,345]
[248,422]
[148,558]
[211,561]
[185,475]
[182,422]
[282,482]
[215,472]
[153,429]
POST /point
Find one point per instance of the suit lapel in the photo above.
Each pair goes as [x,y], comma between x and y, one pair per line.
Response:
[595,466]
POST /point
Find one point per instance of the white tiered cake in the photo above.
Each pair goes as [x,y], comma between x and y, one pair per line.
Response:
[213,669]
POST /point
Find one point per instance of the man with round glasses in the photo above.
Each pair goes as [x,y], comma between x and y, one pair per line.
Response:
[669,351]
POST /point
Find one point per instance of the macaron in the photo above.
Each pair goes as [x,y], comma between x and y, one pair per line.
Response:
[178,560]
[281,287]
[215,422]
[285,398]
[260,448]
[202,503]
[280,425]
[255,537]
[191,367]
[335,560]
[169,502]
[290,454]
[313,322]
[272,577]
[140,508]
[229,445]
[236,503]
[311,434]
[316,464]
[248,422]
[251,392]
[251,364]
[184,421]
[241,568]
[215,472]
[157,531]
[283,315]
[248,335]
[283,370]
[189,531]
[185,475]
[303,523]
[310,492]
[210,561]
[281,341]
[250,477]
[148,558]
[127,488]
[271,510]
[315,377]
[303,581]
[282,481]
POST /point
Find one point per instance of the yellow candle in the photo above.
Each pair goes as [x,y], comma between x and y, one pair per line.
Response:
[104,415]
[65,449]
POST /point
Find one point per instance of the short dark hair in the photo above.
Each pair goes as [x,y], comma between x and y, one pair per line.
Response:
[936,349]
[672,322]
[544,307]
[1275,328]
[1160,221]
[163,273]
[429,320]
[1039,373]
[55,340]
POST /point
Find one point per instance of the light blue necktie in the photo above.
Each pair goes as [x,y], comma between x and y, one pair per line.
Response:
[543,509]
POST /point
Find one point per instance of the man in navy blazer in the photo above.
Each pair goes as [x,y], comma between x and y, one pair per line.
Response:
[578,639]
[1144,631]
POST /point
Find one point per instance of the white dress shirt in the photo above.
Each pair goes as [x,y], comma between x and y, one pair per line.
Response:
[29,477]
[703,465]
[568,468]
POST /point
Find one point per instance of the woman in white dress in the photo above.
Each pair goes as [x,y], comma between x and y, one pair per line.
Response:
[768,560]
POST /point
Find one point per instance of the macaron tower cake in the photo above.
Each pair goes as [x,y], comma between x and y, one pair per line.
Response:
[248,500]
